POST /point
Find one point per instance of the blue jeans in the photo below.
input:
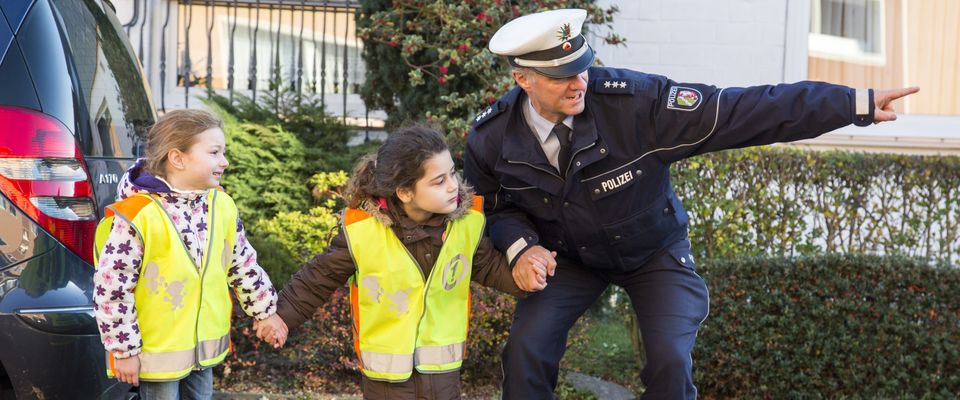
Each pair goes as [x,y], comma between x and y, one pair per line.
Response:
[196,386]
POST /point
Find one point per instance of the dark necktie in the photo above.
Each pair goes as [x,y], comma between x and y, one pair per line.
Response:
[563,135]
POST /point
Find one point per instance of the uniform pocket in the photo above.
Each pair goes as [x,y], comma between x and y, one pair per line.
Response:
[683,256]
[636,238]
[530,199]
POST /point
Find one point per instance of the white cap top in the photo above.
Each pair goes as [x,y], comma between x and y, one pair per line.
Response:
[536,32]
[549,42]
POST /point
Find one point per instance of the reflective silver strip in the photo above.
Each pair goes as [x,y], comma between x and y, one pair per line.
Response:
[167,362]
[210,349]
[552,63]
[514,249]
[438,355]
[387,363]
[174,361]
[863,101]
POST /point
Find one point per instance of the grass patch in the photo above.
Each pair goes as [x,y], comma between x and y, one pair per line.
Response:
[599,346]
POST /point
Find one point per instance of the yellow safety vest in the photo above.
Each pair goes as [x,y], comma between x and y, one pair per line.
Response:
[183,311]
[401,319]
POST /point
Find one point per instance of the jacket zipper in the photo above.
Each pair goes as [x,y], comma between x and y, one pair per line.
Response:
[205,262]
[574,156]
[426,289]
[202,269]
[551,172]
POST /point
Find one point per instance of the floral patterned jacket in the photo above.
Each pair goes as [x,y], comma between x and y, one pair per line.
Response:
[119,263]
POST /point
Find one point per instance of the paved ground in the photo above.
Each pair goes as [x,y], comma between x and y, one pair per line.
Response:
[260,396]
[600,388]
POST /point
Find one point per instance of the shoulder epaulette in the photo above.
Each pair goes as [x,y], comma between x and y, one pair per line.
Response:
[615,86]
[128,207]
[488,113]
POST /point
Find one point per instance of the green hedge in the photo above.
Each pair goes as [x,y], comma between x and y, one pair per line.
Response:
[830,327]
[781,201]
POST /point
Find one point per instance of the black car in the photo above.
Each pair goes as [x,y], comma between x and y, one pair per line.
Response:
[74,110]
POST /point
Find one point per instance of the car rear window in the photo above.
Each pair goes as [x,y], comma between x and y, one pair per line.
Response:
[111,82]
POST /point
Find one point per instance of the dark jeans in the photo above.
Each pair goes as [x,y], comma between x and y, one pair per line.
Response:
[196,386]
[670,300]
[444,386]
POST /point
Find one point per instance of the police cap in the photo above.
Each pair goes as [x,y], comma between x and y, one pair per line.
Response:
[548,42]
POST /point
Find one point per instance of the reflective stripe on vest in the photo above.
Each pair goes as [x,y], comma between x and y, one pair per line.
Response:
[403,320]
[426,358]
[183,361]
[183,309]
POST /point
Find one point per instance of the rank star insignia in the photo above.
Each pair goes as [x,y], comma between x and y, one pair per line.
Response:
[615,84]
[483,114]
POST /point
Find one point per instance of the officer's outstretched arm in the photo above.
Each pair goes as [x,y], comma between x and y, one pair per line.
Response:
[692,119]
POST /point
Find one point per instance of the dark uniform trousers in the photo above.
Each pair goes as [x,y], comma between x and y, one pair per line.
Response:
[670,300]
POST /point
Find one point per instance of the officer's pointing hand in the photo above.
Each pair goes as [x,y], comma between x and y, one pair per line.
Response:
[884,102]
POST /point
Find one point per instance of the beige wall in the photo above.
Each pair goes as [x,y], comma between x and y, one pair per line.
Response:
[933,47]
[928,55]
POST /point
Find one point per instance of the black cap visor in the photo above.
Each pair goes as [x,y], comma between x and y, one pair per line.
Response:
[569,69]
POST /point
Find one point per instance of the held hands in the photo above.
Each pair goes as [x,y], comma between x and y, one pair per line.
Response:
[883,100]
[272,330]
[532,268]
[127,370]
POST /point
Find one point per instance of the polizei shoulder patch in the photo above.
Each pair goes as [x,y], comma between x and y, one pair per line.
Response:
[684,98]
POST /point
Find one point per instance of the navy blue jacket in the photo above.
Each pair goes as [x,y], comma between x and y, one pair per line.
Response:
[617,208]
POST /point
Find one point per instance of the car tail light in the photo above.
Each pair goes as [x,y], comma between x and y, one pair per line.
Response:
[42,172]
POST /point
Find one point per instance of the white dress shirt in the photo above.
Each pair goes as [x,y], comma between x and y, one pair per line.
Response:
[542,127]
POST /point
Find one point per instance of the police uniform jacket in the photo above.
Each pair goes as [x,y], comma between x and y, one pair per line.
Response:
[616,207]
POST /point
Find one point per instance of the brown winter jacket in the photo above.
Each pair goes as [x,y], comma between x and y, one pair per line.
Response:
[310,287]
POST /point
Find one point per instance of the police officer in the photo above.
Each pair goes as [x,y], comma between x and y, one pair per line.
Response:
[575,159]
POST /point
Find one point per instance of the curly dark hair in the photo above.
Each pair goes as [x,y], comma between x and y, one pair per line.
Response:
[397,164]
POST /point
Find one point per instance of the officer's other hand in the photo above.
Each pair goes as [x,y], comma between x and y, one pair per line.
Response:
[531,270]
[127,370]
[883,100]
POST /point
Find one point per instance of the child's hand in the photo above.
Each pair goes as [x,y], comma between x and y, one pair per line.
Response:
[272,330]
[127,370]
[535,278]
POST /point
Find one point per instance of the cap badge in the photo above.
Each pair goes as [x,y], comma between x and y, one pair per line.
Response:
[567,46]
[564,32]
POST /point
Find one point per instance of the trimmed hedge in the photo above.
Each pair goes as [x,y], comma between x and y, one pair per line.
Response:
[780,201]
[830,327]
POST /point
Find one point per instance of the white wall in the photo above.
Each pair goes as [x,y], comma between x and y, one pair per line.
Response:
[721,42]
